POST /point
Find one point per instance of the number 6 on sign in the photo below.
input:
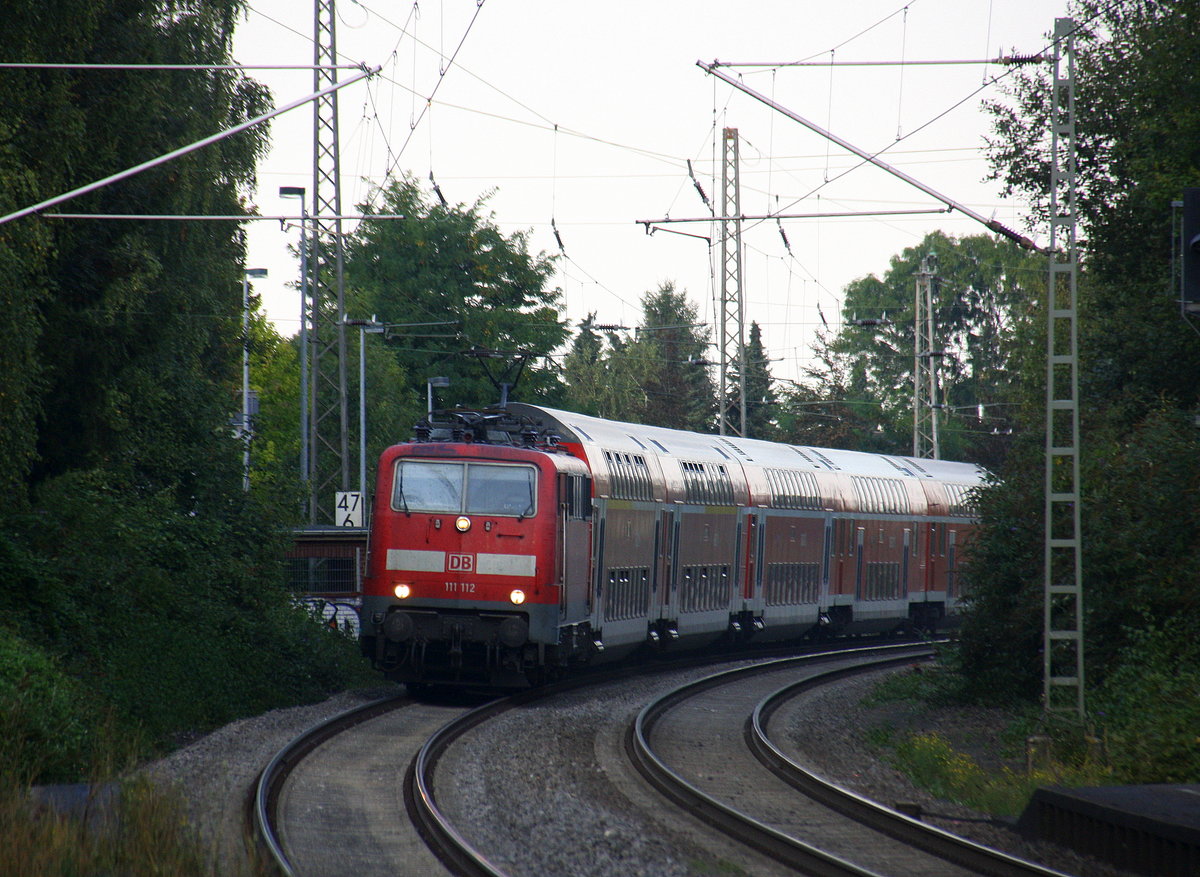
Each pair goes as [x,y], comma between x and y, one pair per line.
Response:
[348,509]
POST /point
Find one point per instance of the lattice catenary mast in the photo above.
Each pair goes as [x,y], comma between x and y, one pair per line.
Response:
[1063,677]
[733,348]
[329,440]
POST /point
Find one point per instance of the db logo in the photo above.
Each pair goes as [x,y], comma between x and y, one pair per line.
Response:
[460,563]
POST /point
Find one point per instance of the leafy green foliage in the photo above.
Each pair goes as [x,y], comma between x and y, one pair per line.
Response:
[932,684]
[133,567]
[761,400]
[983,288]
[660,377]
[602,379]
[134,350]
[934,764]
[1149,708]
[452,264]
[1001,635]
[47,730]
[1141,521]
[1138,359]
[669,356]
[177,620]
[1136,151]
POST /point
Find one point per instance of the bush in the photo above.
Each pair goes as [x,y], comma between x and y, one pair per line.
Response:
[46,729]
[1149,708]
[176,620]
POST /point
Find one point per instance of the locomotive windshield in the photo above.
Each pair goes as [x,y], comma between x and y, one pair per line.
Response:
[464,488]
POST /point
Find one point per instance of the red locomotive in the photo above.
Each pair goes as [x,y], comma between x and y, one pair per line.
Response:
[508,545]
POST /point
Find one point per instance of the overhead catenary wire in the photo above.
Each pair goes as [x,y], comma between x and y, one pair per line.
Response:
[437,85]
[875,160]
[547,229]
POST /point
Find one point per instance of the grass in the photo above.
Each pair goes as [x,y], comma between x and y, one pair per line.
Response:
[932,762]
[132,828]
[143,833]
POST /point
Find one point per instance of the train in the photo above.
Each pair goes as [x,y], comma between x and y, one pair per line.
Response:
[511,546]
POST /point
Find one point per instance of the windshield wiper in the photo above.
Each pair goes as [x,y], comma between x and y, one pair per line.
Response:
[400,490]
[528,508]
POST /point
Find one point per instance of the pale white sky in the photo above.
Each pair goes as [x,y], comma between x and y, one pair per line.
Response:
[587,114]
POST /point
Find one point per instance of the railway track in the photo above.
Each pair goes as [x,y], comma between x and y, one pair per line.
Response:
[356,792]
[332,814]
[725,718]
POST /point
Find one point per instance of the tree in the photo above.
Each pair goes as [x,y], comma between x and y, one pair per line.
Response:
[982,289]
[134,365]
[121,359]
[583,369]
[1135,140]
[824,411]
[669,358]
[453,265]
[275,377]
[40,138]
[600,374]
[1138,360]
[761,401]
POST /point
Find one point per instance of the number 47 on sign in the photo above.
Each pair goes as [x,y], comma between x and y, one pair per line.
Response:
[349,509]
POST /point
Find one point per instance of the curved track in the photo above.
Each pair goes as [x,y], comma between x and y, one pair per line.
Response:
[434,827]
[705,745]
[676,741]
[950,847]
[337,814]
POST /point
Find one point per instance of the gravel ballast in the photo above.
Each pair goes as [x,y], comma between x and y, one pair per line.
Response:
[583,790]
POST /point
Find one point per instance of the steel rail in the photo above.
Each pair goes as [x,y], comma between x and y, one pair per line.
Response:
[433,827]
[439,834]
[931,839]
[774,843]
[262,815]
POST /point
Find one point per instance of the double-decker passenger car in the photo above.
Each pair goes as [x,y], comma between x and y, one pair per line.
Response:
[508,545]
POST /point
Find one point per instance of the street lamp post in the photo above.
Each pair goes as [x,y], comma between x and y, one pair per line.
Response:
[298,192]
[375,328]
[247,273]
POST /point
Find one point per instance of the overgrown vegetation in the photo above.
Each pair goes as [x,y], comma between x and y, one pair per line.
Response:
[1138,394]
[1148,712]
[858,393]
[137,829]
[1142,727]
[1025,753]
[142,595]
[1140,448]
[935,765]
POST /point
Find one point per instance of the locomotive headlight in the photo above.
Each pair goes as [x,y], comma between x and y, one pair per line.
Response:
[517,596]
[462,523]
[402,591]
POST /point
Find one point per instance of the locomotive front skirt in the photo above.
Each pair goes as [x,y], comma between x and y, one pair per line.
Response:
[509,545]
